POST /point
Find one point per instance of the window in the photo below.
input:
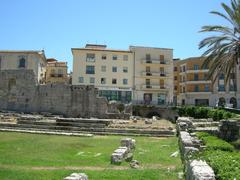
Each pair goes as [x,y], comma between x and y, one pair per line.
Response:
[22,62]
[196,88]
[114,81]
[81,80]
[175,88]
[90,57]
[60,73]
[103,80]
[104,57]
[125,69]
[92,80]
[195,77]
[148,57]
[221,87]
[114,57]
[162,59]
[175,77]
[196,67]
[103,68]
[175,68]
[161,83]
[221,77]
[184,68]
[205,76]
[125,81]
[206,88]
[114,69]
[90,69]
[183,89]
[125,57]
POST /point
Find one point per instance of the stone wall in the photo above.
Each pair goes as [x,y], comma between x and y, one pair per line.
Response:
[190,144]
[19,91]
[229,130]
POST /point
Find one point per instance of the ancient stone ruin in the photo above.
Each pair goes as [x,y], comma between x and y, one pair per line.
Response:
[77,176]
[124,152]
[19,91]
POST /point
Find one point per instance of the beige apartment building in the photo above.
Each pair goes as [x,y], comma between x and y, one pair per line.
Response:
[142,75]
[56,71]
[193,87]
[153,75]
[17,60]
[109,70]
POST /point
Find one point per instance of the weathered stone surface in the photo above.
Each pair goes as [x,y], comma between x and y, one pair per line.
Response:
[199,170]
[129,143]
[134,164]
[129,157]
[229,130]
[77,176]
[19,91]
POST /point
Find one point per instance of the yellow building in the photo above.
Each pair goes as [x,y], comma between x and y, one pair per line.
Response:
[109,70]
[193,87]
[19,60]
[153,75]
[56,71]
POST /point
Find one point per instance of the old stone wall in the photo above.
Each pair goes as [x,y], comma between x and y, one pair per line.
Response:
[19,91]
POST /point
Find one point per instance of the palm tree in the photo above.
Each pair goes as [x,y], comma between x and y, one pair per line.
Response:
[223,49]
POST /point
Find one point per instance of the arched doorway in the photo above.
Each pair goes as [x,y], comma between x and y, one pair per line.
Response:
[233,101]
[221,102]
[153,113]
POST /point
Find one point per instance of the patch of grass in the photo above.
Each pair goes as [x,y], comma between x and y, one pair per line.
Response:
[20,152]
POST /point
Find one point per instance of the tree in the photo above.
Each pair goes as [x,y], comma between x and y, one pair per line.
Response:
[223,49]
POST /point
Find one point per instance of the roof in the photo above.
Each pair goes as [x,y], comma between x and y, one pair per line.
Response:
[147,47]
[98,49]
[39,52]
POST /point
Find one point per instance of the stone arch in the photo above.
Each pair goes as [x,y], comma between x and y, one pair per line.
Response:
[233,101]
[221,102]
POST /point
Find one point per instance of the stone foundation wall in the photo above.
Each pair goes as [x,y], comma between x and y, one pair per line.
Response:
[190,144]
[19,91]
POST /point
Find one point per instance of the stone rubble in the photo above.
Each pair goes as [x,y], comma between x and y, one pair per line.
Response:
[134,164]
[77,176]
[124,152]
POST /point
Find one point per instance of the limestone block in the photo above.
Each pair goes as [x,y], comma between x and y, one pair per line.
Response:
[77,176]
[199,170]
[129,143]
[134,164]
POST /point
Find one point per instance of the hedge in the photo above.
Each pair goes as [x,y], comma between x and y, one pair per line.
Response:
[204,112]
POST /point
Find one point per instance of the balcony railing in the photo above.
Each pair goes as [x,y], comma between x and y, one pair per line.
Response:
[154,74]
[154,61]
[153,87]
[56,75]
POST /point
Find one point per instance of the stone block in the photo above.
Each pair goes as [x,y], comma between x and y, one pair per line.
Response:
[77,176]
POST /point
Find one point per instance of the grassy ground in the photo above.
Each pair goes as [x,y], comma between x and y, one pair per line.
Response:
[28,156]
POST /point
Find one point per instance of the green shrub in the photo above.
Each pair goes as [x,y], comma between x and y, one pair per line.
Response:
[221,156]
[214,143]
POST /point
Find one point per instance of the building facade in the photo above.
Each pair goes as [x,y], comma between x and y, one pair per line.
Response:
[27,60]
[153,77]
[56,71]
[142,75]
[192,86]
[109,70]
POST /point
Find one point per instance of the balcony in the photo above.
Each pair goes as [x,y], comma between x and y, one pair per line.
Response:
[153,87]
[154,74]
[56,75]
[154,61]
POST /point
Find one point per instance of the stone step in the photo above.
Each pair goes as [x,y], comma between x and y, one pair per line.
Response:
[62,124]
[92,130]
[207,129]
[205,124]
[80,120]
[202,120]
[76,133]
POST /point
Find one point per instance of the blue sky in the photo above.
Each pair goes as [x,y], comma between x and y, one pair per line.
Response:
[59,25]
